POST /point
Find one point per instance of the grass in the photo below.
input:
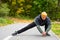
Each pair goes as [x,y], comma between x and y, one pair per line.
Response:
[56,28]
[5,21]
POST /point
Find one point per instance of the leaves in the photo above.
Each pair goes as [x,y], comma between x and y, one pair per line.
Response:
[4,10]
[20,10]
[33,7]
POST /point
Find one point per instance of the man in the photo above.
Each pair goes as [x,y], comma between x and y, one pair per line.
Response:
[40,20]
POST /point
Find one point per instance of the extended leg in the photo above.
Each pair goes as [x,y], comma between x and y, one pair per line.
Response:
[29,26]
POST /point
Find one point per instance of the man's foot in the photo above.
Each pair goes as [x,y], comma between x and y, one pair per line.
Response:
[47,34]
[14,34]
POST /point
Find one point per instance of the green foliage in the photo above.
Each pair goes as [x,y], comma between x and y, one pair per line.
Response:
[56,28]
[32,8]
[5,21]
[4,10]
[46,5]
[24,17]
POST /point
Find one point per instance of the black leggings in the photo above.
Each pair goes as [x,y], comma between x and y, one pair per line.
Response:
[29,26]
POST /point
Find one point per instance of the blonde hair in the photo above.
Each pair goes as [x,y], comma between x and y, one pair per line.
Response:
[43,14]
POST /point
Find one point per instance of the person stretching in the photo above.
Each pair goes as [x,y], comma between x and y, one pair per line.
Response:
[40,20]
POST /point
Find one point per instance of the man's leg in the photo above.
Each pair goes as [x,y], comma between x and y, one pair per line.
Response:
[29,26]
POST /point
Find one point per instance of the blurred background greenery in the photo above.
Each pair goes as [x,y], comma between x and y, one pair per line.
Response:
[30,8]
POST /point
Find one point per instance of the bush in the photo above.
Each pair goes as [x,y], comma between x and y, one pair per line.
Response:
[5,21]
[32,8]
[4,10]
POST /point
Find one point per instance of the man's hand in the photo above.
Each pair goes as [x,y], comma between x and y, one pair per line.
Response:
[43,33]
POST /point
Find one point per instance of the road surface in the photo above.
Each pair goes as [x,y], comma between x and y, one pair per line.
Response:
[31,34]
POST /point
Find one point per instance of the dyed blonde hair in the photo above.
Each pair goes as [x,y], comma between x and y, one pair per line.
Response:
[43,14]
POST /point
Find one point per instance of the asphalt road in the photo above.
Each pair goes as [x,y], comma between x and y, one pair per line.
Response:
[31,34]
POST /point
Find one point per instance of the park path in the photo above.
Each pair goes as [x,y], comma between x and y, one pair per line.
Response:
[31,34]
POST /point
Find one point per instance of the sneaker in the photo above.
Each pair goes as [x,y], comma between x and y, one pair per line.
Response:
[47,34]
[14,34]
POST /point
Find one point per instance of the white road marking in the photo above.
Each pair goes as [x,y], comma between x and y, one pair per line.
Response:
[7,38]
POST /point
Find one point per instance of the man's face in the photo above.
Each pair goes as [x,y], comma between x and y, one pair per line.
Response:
[43,17]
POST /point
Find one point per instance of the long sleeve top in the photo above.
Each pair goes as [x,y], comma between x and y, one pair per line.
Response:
[39,22]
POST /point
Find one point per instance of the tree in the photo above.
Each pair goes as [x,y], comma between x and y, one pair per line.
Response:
[32,8]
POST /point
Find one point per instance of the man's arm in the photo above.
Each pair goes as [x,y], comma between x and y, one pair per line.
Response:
[49,27]
[39,29]
[37,23]
[48,24]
